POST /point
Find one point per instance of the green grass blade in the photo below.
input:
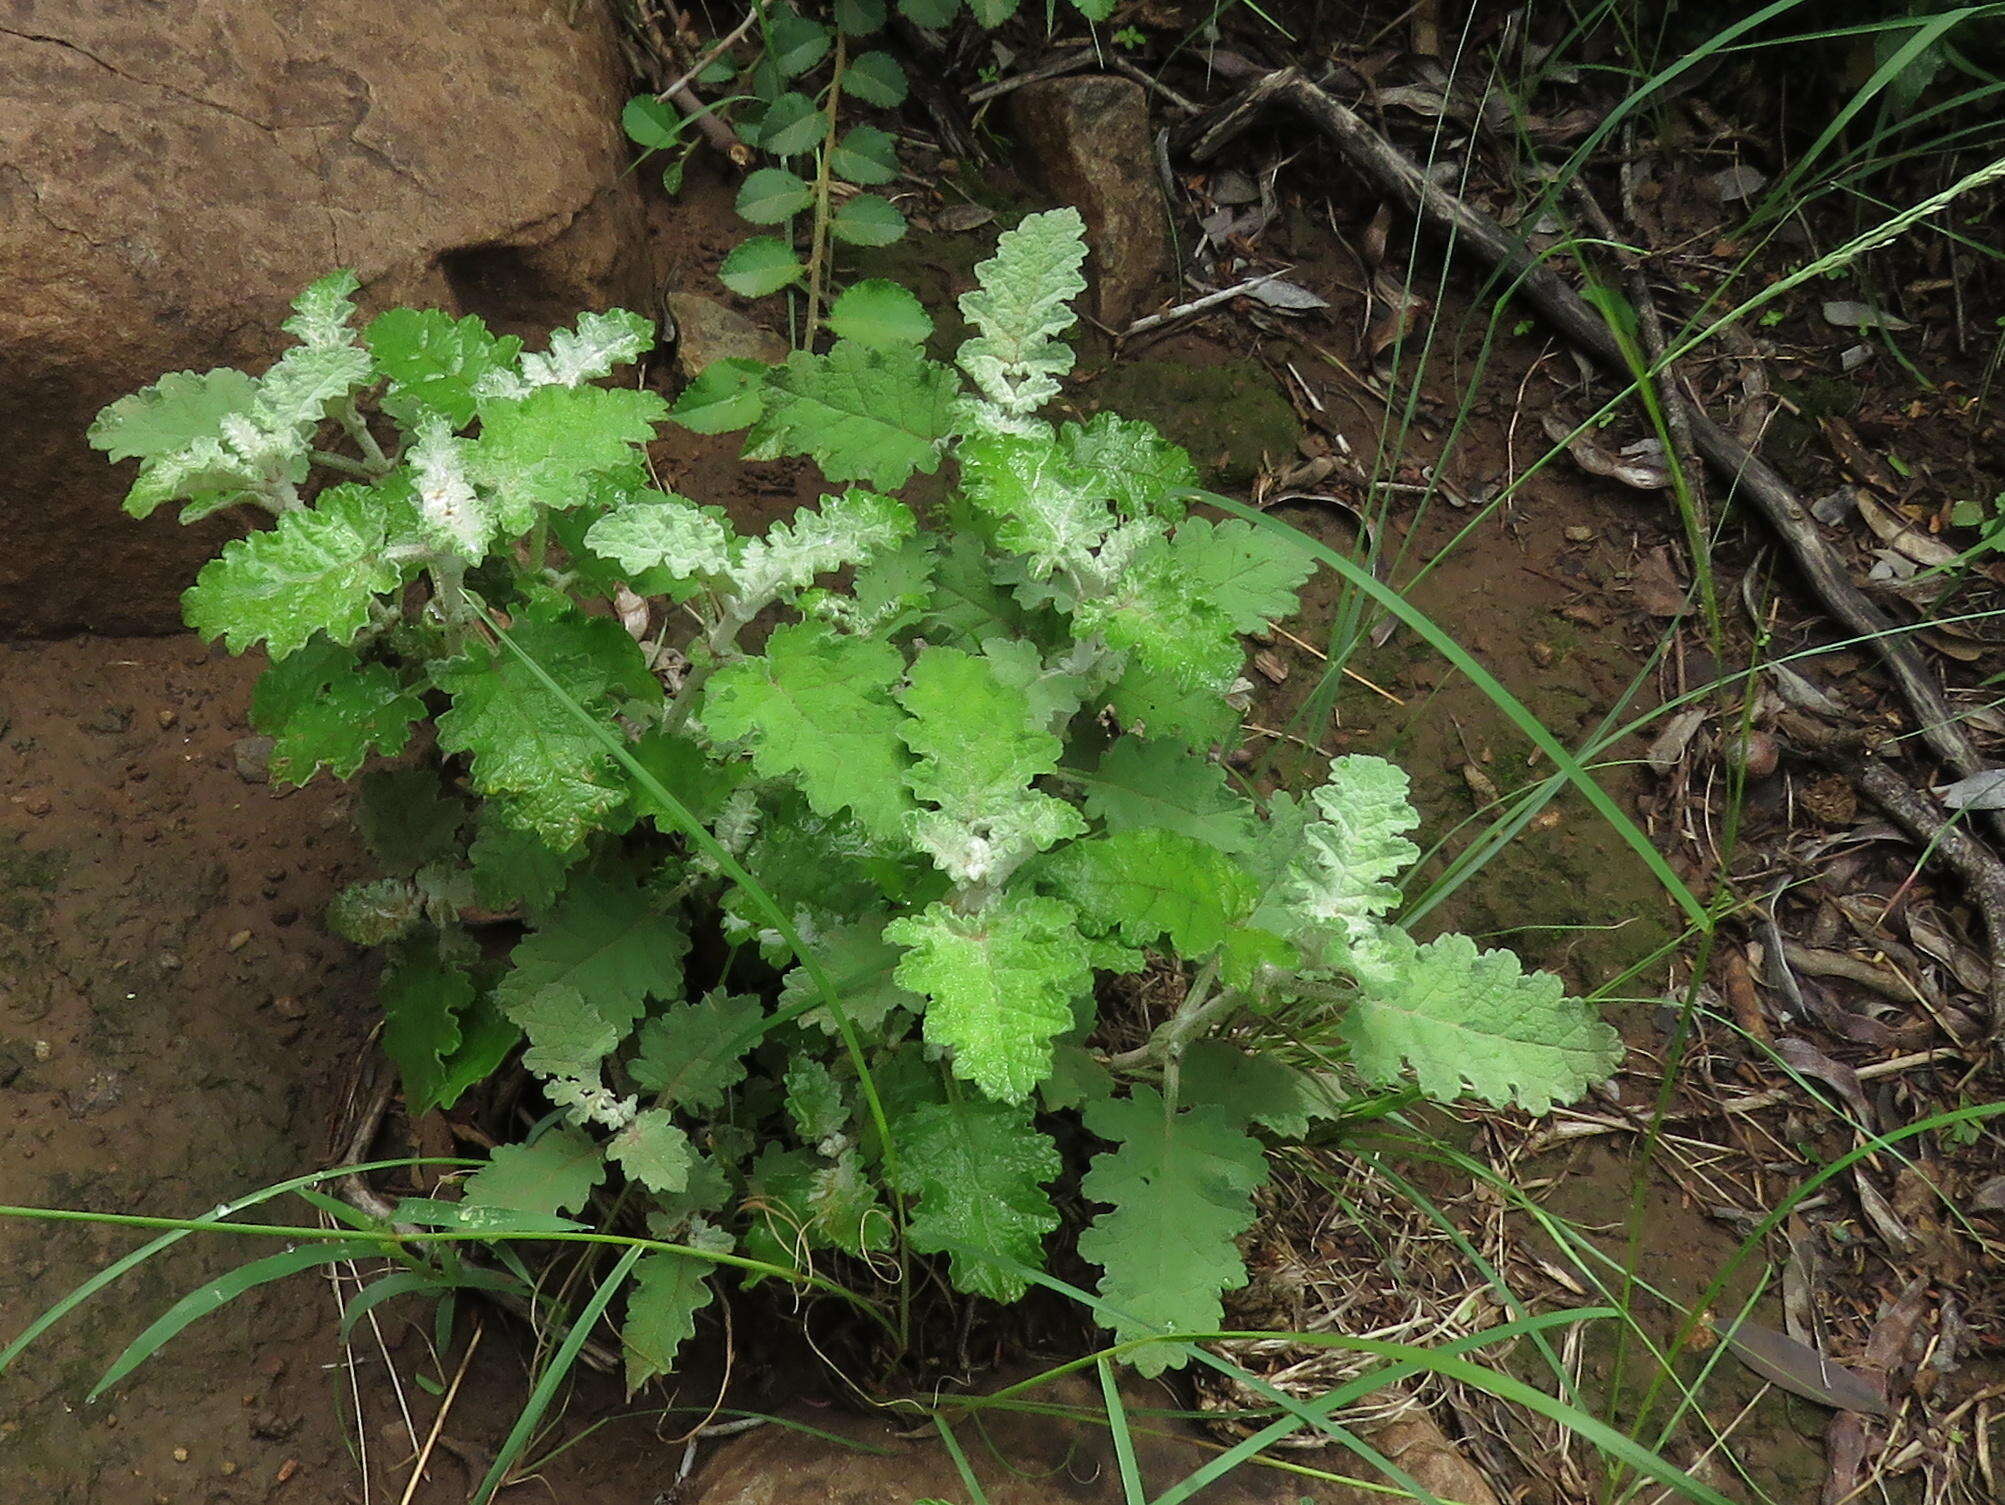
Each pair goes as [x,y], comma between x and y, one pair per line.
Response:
[552,1378]
[1248,1448]
[965,1469]
[1124,1444]
[405,1282]
[177,1229]
[214,1295]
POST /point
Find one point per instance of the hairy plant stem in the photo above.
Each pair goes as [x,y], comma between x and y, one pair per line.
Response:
[1199,1007]
[719,641]
[448,573]
[344,464]
[818,245]
[349,416]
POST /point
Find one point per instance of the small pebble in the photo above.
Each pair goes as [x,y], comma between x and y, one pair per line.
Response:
[238,941]
[43,1050]
[169,962]
[253,757]
[226,1468]
[180,1455]
[166,717]
[288,1007]
[36,804]
[1542,655]
[1580,535]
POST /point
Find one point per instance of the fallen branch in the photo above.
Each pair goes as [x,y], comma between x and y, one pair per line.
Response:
[1949,842]
[1745,472]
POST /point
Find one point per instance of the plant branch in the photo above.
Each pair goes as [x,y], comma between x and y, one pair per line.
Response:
[818,245]
[1392,171]
[343,463]
[351,419]
[678,91]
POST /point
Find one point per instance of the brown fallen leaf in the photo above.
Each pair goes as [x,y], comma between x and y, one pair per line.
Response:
[1655,585]
[1802,1370]
[1892,528]
[1645,472]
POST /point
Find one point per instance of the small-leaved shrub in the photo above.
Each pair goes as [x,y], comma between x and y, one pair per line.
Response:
[790,104]
[824,845]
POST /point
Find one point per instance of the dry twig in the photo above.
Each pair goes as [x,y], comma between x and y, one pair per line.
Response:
[1752,477]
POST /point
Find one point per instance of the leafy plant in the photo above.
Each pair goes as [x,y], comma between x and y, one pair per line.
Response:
[788,104]
[820,887]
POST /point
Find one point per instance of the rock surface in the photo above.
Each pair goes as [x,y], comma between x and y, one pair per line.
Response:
[1088,138]
[706,331]
[171,175]
[1026,1459]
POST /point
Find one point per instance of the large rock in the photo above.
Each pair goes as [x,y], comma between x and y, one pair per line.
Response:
[1027,1459]
[170,175]
[1087,137]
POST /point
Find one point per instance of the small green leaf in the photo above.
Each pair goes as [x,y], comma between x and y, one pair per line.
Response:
[859,18]
[554,1174]
[605,942]
[1149,884]
[650,122]
[543,449]
[377,912]
[691,1054]
[1151,783]
[324,708]
[406,817]
[1252,1088]
[434,362]
[792,124]
[858,962]
[422,997]
[1180,1192]
[931,14]
[795,43]
[552,776]
[725,397]
[320,570]
[655,530]
[773,194]
[181,407]
[817,709]
[666,1293]
[764,264]
[1094,10]
[512,866]
[992,13]
[864,415]
[865,155]
[876,79]
[487,1039]
[867,220]
[976,754]
[1467,1020]
[653,1151]
[880,313]
[1001,985]
[815,1102]
[978,1170]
